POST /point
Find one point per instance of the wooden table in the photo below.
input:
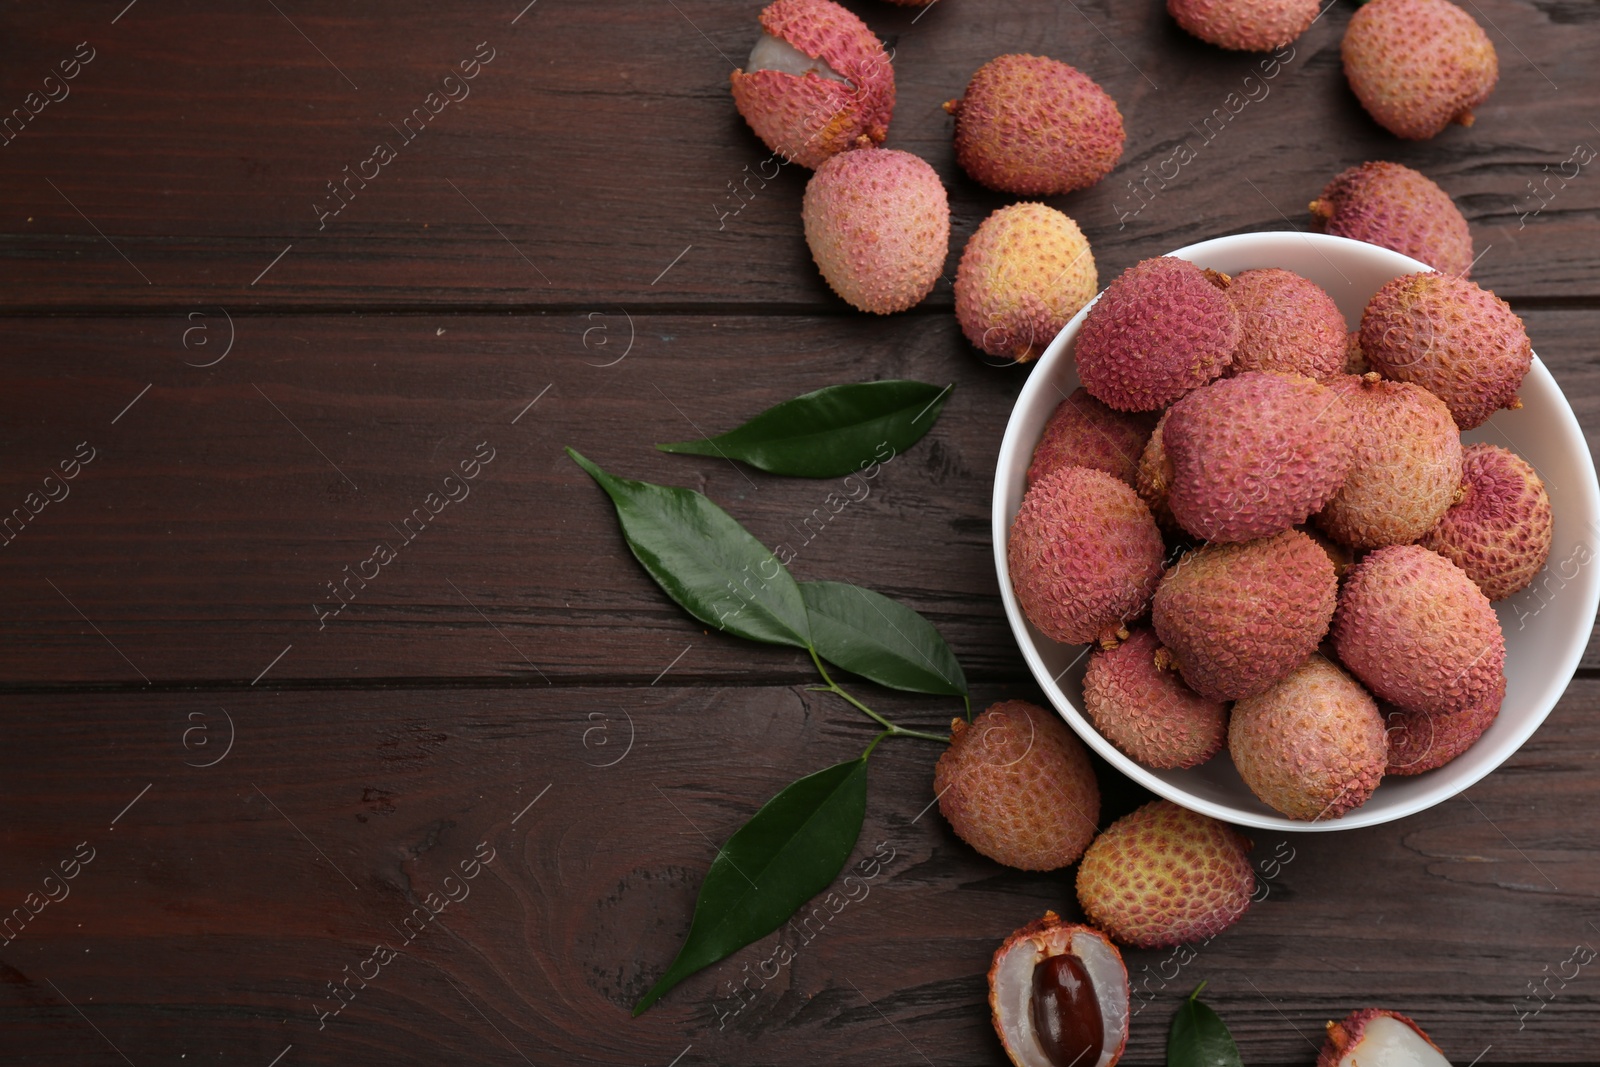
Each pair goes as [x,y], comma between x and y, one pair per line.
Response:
[254,790]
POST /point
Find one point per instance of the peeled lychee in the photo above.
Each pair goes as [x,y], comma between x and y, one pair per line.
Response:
[1420,741]
[1313,746]
[1163,328]
[1405,467]
[1165,875]
[1455,339]
[1418,632]
[1393,206]
[1245,25]
[1084,555]
[1498,531]
[1286,323]
[1024,273]
[817,82]
[1375,1037]
[1035,127]
[1254,455]
[1147,712]
[1058,995]
[1236,618]
[1418,65]
[878,223]
[1016,785]
[1085,433]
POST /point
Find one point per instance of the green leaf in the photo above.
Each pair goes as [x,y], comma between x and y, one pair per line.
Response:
[706,561]
[880,639]
[831,432]
[790,851]
[1199,1038]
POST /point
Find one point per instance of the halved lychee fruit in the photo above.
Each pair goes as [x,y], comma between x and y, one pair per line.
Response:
[1059,996]
[1376,1037]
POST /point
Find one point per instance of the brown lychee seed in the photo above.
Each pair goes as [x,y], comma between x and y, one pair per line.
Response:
[1376,1037]
[1085,433]
[1058,996]
[1499,528]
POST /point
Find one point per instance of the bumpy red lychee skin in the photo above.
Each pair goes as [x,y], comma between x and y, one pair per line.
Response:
[1084,556]
[1153,479]
[809,118]
[1421,741]
[1023,275]
[1395,207]
[1085,433]
[1162,329]
[1035,126]
[1048,937]
[1418,632]
[1287,323]
[1147,712]
[1418,65]
[1499,530]
[1343,1035]
[1452,337]
[1245,25]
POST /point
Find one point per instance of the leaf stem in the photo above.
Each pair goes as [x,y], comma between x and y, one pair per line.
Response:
[890,729]
[875,741]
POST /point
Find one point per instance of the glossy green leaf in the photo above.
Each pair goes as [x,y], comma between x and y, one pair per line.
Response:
[791,850]
[831,432]
[706,561]
[1199,1037]
[880,639]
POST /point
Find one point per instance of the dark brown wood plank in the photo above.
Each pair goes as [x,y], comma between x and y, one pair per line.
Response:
[600,147]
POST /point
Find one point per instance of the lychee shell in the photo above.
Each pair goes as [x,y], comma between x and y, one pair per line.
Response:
[1393,206]
[1147,712]
[1499,530]
[1421,741]
[1085,433]
[1245,25]
[1286,323]
[1342,1036]
[1418,65]
[1024,273]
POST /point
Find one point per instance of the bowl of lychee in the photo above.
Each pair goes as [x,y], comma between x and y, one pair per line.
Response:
[1296,532]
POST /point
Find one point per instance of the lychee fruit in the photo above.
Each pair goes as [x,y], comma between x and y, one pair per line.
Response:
[1153,479]
[1085,433]
[1418,65]
[1254,454]
[878,223]
[1024,273]
[1245,25]
[1287,323]
[1376,1037]
[1164,875]
[1355,360]
[1313,746]
[1084,555]
[1418,632]
[1016,785]
[1238,617]
[1147,712]
[1163,328]
[1035,126]
[1395,207]
[1420,741]
[1499,530]
[817,82]
[1455,339]
[1058,994]
[1405,467]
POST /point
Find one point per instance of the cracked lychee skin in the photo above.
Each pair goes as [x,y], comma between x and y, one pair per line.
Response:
[1016,785]
[1405,466]
[1418,632]
[1034,126]
[1421,741]
[1287,323]
[1418,65]
[1452,337]
[1245,25]
[1011,991]
[1147,712]
[1084,555]
[1373,1037]
[1163,876]
[1025,272]
[1254,454]
[1237,618]
[1499,530]
[809,118]
[878,224]
[1395,207]
[1313,746]
[1162,329]
[1085,433]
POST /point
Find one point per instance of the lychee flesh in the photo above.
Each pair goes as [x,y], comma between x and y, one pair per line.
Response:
[1013,1000]
[1148,712]
[1016,785]
[1238,617]
[1421,741]
[1499,530]
[1376,1037]
[1418,65]
[1287,323]
[1085,433]
[818,82]
[1034,126]
[1395,207]
[1161,329]
[1164,875]
[878,225]
[1025,272]
[1084,555]
[1245,25]
[1313,746]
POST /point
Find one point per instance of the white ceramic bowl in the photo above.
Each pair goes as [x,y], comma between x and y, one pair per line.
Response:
[1547,625]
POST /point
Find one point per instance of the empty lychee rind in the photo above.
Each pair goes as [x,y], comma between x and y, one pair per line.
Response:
[1287,323]
[1011,986]
[1499,528]
[1085,433]
[1395,207]
[1245,25]
[1024,273]
[1375,1037]
[1148,712]
[1418,65]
